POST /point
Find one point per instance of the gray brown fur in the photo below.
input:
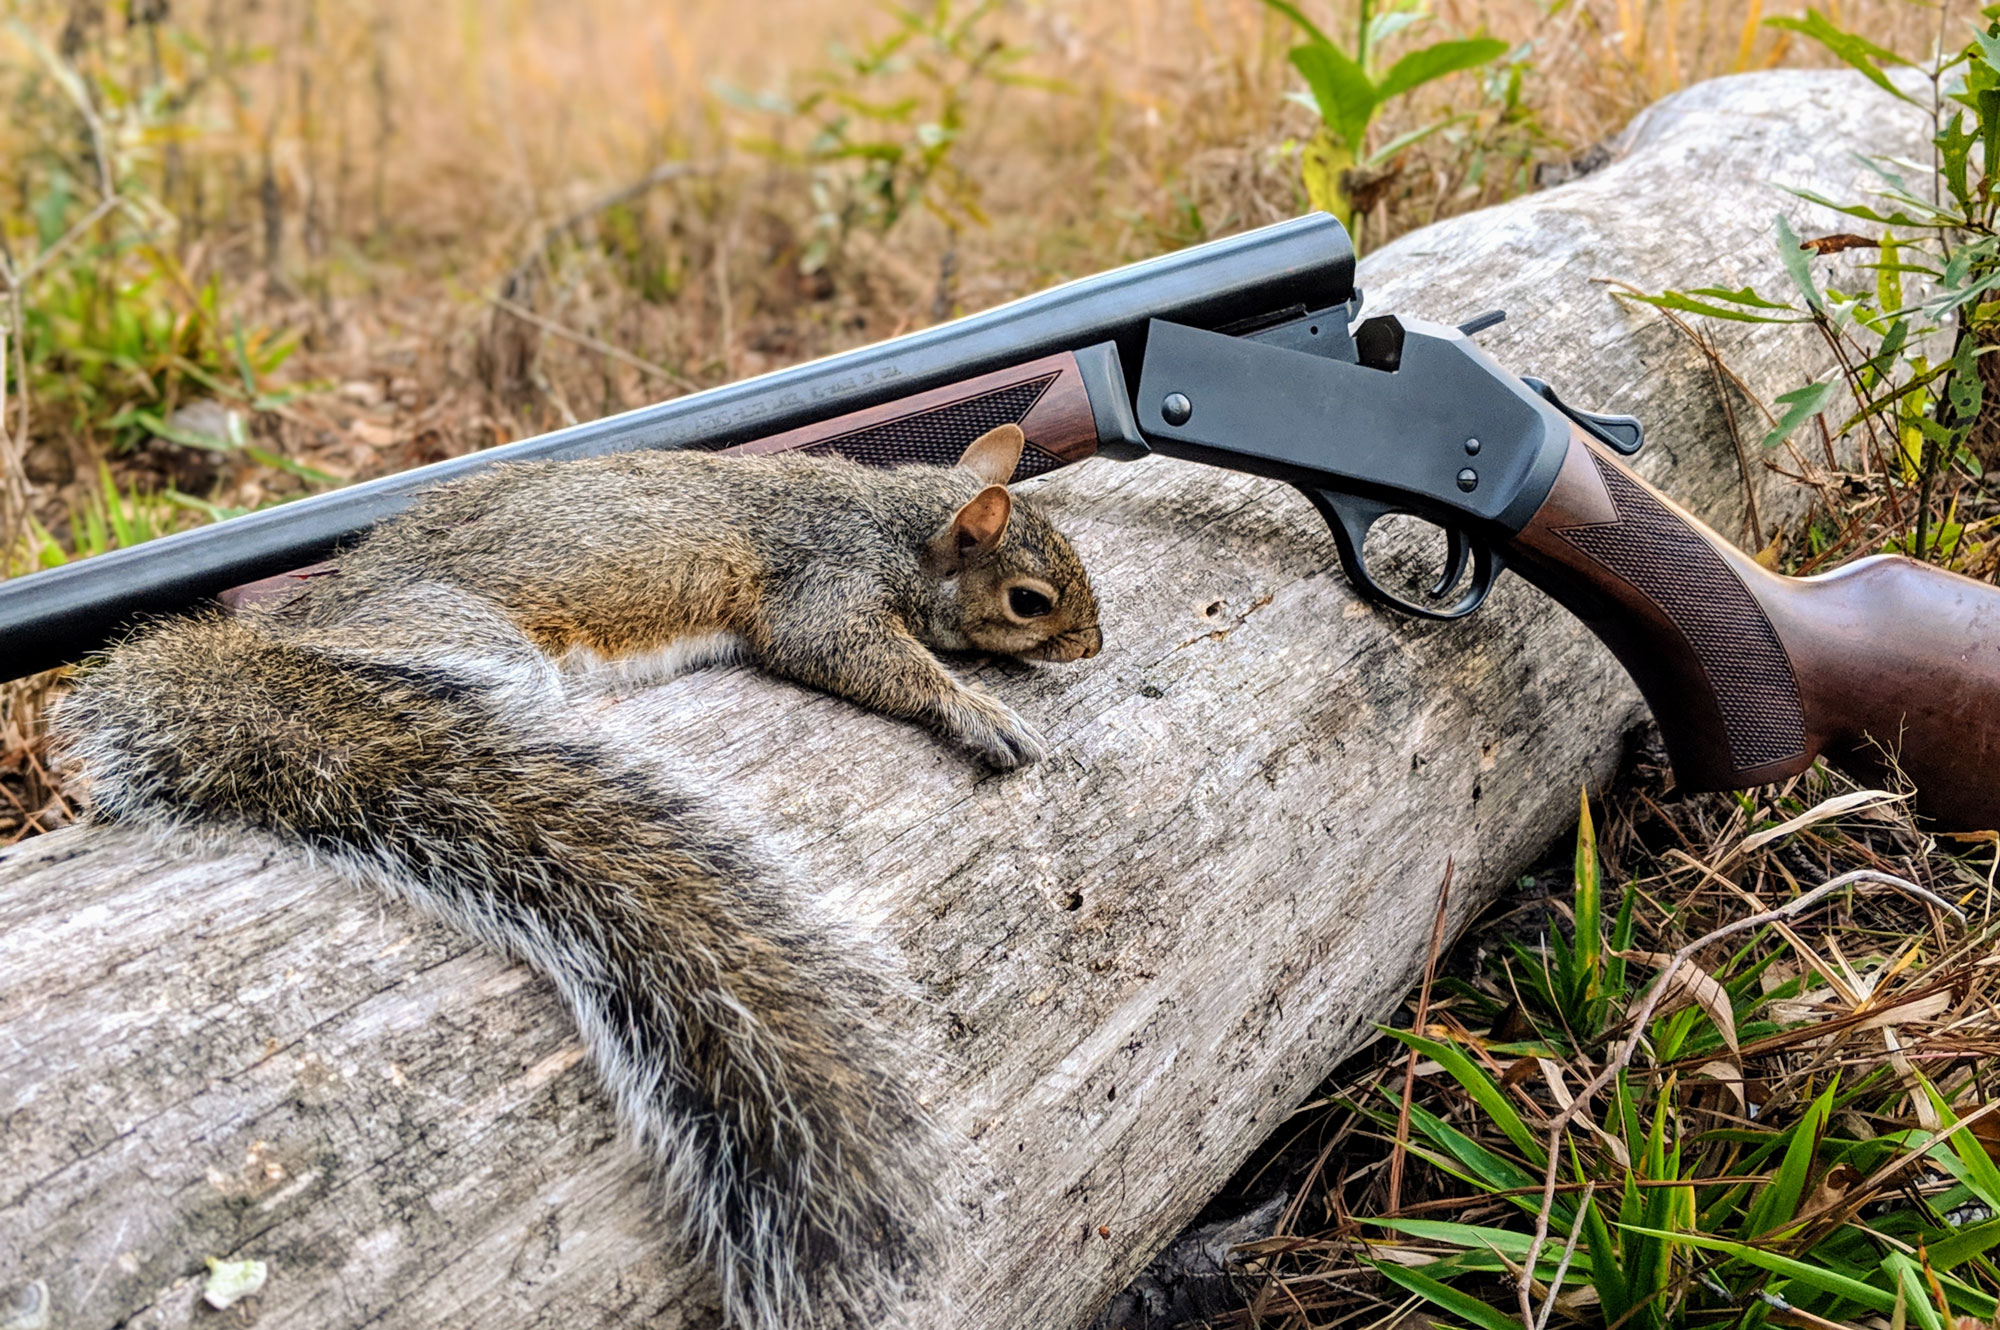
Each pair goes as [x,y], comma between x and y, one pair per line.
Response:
[391,719]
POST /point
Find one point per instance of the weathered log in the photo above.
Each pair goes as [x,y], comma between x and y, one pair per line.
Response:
[1138,955]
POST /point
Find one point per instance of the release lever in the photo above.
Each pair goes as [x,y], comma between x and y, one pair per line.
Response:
[1621,434]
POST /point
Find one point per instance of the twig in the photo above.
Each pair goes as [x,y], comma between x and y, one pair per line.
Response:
[1626,1051]
[1714,358]
[603,348]
[15,491]
[1720,375]
[653,179]
[41,260]
[1397,1156]
[67,79]
[1569,1250]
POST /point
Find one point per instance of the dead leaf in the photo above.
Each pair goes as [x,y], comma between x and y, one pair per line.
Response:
[1698,986]
[1821,812]
[1512,1026]
[1924,1008]
[1834,244]
[1834,1184]
[1731,1077]
[1368,185]
[1553,1073]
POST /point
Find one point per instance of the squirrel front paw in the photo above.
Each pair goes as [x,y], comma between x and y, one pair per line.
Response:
[990,728]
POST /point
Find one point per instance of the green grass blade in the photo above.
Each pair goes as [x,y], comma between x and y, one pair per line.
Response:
[1779,1201]
[1916,1292]
[1483,1238]
[1971,1241]
[1607,1268]
[1495,1172]
[1486,1092]
[1462,1305]
[1812,1276]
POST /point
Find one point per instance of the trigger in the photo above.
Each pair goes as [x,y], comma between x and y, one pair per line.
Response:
[1454,563]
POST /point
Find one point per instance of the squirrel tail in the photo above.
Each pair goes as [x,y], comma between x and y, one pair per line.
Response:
[736,1035]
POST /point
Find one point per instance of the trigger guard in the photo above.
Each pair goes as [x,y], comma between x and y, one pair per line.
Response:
[1350,517]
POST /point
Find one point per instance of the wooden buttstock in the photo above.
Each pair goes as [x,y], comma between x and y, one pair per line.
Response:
[1886,662]
[1045,397]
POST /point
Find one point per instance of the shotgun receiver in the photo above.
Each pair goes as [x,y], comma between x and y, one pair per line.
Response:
[1246,353]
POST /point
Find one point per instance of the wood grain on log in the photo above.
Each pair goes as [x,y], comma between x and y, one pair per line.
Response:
[1138,956]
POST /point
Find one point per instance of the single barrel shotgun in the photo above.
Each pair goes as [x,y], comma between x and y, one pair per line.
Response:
[1246,353]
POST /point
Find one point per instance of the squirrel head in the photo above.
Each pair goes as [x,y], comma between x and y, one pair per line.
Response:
[1021,589]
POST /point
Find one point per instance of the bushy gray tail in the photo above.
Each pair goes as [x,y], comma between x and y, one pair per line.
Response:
[735,1035]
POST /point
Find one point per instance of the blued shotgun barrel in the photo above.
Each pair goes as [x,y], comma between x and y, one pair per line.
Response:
[1885,662]
[1093,326]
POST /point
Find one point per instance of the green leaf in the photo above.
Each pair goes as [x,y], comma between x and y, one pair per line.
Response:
[1965,393]
[1934,219]
[1296,15]
[1589,953]
[1404,140]
[1989,46]
[1799,264]
[1436,61]
[1954,145]
[1382,27]
[1813,1276]
[1855,50]
[1347,99]
[1462,1305]
[1798,406]
[1685,303]
[1742,295]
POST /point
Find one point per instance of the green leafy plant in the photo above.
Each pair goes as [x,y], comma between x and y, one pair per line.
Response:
[1349,90]
[117,341]
[115,322]
[102,518]
[1913,345]
[883,120]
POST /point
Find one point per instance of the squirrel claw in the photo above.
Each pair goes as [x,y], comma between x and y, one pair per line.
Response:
[999,736]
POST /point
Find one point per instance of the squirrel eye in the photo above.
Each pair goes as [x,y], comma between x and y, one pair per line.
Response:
[1028,603]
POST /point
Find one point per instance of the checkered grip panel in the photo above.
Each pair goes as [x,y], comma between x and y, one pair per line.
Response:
[936,437]
[1747,668]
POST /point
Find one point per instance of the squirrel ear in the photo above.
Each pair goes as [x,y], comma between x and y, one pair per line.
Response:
[994,454]
[973,531]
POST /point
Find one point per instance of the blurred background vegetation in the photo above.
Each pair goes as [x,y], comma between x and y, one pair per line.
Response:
[251,249]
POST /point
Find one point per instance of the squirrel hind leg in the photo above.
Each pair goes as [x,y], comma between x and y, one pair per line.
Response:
[447,631]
